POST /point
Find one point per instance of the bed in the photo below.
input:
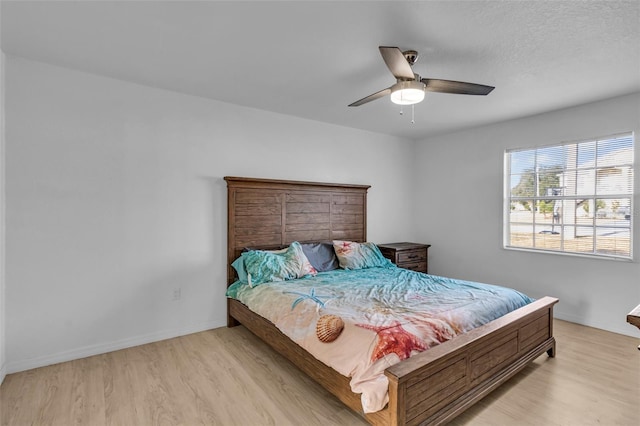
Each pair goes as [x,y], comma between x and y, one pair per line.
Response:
[431,387]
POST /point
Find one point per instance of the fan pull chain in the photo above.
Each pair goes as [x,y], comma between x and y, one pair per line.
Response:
[413,113]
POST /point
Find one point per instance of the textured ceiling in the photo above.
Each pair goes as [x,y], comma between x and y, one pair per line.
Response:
[311,59]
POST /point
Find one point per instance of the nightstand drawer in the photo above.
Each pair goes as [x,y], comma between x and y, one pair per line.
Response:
[412,256]
[419,267]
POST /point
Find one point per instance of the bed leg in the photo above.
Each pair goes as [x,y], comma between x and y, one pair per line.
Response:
[552,350]
[232,322]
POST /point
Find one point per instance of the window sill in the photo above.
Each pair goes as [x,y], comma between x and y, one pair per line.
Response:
[571,254]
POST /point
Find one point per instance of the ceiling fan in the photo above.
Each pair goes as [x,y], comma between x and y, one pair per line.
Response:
[410,88]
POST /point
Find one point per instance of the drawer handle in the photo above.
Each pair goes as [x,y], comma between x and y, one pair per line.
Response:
[413,256]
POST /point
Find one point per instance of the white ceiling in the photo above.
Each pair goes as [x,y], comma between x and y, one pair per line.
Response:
[311,59]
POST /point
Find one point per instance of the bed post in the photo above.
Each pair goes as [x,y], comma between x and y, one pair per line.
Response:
[396,401]
[231,196]
[551,352]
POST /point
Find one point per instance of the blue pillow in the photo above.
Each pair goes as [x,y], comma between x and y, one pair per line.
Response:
[321,256]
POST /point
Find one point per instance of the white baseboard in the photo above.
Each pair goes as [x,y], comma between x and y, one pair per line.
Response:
[619,328]
[102,348]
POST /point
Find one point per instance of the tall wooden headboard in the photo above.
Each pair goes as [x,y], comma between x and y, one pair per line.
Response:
[268,213]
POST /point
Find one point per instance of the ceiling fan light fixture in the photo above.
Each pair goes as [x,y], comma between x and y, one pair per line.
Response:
[407,92]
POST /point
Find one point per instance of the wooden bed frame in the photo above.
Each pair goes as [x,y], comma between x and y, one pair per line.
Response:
[429,388]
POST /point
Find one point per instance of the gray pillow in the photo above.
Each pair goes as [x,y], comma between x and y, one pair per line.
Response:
[321,256]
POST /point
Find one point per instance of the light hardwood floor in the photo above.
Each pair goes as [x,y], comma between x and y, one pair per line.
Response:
[229,377]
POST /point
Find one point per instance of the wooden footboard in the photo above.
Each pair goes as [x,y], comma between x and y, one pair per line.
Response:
[435,386]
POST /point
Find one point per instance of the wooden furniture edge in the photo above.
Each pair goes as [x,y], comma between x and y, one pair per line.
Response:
[246,182]
[634,316]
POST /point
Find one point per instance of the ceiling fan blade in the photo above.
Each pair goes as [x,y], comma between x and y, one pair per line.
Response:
[373,97]
[458,87]
[396,62]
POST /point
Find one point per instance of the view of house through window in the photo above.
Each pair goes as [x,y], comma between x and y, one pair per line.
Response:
[574,197]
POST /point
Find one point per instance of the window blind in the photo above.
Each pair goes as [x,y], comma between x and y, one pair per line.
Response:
[574,197]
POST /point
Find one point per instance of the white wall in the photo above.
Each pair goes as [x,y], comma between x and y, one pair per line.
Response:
[459,181]
[115,197]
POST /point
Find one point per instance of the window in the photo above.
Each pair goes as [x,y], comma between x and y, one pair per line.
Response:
[571,198]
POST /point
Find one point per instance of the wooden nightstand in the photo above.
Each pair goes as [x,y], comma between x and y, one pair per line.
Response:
[407,255]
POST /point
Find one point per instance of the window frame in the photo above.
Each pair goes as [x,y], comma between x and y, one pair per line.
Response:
[593,199]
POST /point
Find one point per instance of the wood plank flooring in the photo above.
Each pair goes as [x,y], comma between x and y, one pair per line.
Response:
[229,377]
